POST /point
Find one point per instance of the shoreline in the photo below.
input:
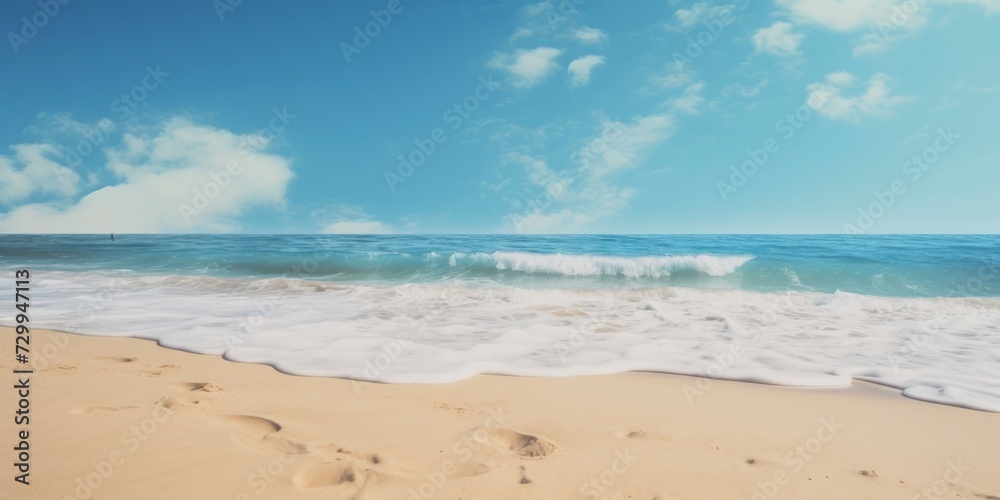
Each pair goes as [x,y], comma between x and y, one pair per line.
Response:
[122,417]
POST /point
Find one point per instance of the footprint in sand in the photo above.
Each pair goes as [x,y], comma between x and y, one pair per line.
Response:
[642,434]
[195,387]
[337,473]
[255,426]
[172,403]
[117,359]
[523,445]
[97,409]
[260,434]
[524,476]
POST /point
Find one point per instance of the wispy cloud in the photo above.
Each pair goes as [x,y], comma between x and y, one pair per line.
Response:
[587,34]
[678,73]
[777,39]
[690,101]
[874,98]
[743,90]
[580,69]
[527,68]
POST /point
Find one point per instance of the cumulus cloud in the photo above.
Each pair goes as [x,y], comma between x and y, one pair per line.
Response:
[882,22]
[527,67]
[587,34]
[33,170]
[351,219]
[580,69]
[777,39]
[181,177]
[874,98]
[840,15]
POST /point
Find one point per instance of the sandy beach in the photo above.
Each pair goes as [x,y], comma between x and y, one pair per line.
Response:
[125,418]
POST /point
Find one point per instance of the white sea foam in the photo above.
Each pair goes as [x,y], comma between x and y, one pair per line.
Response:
[944,350]
[598,265]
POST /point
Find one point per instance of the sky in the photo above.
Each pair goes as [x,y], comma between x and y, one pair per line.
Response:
[563,116]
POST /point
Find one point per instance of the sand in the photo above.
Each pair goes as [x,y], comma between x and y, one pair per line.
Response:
[124,418]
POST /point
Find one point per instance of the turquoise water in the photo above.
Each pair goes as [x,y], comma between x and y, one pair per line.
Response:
[917,313]
[899,266]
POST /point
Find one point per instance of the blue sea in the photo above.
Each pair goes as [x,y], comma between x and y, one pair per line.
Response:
[917,313]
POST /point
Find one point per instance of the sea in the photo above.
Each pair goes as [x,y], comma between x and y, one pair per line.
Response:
[916,313]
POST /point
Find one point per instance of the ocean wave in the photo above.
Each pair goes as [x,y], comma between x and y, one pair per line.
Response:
[599,265]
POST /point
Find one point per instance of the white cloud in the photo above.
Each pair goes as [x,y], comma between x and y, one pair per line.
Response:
[357,227]
[527,67]
[580,69]
[183,165]
[586,192]
[873,43]
[885,21]
[777,39]
[840,15]
[743,90]
[38,172]
[690,101]
[840,78]
[587,34]
[699,12]
[545,20]
[537,169]
[349,219]
[621,146]
[991,6]
[874,99]
[537,9]
[677,74]
[62,126]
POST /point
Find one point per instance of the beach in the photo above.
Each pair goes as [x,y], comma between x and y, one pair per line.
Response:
[125,418]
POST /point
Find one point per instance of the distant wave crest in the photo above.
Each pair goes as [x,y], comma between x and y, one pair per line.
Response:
[598,265]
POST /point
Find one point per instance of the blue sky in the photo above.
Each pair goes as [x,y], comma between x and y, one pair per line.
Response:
[551,117]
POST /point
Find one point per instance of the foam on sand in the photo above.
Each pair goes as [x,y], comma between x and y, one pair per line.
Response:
[935,349]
